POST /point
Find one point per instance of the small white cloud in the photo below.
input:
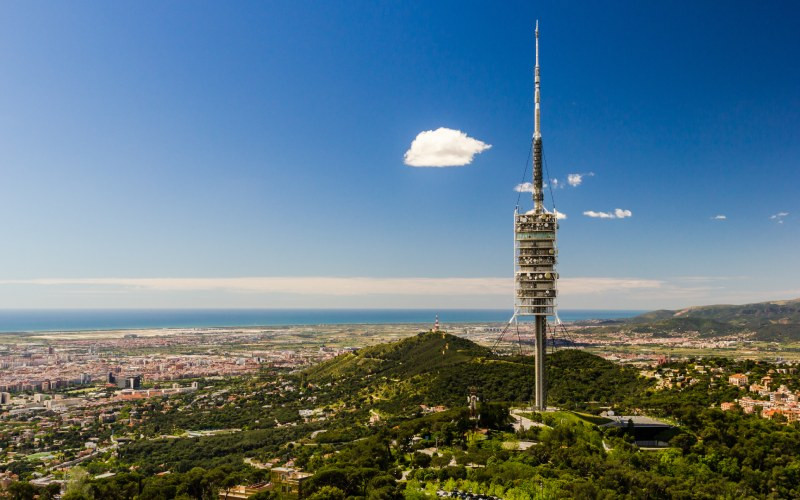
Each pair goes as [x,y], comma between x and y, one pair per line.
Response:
[556,184]
[621,214]
[779,217]
[575,180]
[719,217]
[598,215]
[618,213]
[525,187]
[443,147]
[559,215]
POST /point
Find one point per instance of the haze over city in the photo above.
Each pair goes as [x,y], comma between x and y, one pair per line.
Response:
[371,155]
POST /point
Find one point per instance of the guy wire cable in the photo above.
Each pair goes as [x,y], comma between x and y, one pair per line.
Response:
[525,172]
[549,181]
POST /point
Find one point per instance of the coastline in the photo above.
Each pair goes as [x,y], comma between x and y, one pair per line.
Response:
[36,322]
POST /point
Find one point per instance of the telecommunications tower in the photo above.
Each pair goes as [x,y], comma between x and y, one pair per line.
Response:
[535,255]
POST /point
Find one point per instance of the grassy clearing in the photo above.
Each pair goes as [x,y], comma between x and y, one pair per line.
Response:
[566,416]
[592,419]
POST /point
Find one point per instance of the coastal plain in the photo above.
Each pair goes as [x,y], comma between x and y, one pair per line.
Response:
[319,342]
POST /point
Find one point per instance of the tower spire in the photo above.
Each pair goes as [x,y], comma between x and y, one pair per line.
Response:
[538,197]
[537,125]
[535,255]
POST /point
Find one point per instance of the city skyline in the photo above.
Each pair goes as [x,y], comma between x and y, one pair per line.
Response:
[279,155]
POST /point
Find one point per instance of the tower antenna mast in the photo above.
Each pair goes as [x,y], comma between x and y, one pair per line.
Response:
[538,195]
[535,255]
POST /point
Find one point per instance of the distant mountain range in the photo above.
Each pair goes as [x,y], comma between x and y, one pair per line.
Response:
[771,321]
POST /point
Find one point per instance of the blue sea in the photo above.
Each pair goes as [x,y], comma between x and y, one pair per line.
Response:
[127,319]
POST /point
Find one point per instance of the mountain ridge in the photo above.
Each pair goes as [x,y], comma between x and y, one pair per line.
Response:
[771,320]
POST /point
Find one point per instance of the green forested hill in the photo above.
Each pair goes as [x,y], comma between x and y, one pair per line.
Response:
[405,358]
[436,368]
[777,312]
[776,320]
[714,455]
[706,326]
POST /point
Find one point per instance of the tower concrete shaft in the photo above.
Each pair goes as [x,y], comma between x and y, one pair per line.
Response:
[540,388]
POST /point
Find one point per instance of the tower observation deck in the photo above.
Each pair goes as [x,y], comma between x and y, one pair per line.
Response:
[535,255]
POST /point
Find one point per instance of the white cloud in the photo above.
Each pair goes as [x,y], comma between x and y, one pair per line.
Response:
[618,213]
[719,217]
[443,147]
[779,217]
[575,180]
[598,215]
[559,215]
[621,214]
[525,187]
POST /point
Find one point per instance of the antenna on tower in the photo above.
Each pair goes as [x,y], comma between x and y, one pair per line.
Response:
[538,195]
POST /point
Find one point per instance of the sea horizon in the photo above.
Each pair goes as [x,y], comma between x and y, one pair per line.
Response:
[65,320]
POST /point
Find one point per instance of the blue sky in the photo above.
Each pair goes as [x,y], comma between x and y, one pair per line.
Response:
[164,154]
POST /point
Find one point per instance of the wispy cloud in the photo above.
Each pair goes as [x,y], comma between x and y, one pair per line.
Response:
[358,292]
[599,285]
[575,180]
[443,147]
[779,217]
[719,217]
[321,285]
[618,213]
[305,285]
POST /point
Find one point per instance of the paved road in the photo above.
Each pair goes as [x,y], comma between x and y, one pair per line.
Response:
[522,423]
